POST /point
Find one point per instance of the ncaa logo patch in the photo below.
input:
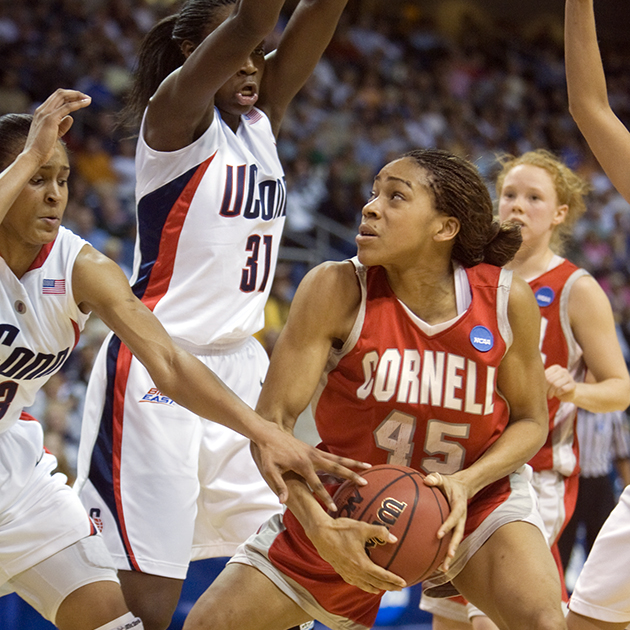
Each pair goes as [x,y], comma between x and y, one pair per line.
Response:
[481,338]
[545,296]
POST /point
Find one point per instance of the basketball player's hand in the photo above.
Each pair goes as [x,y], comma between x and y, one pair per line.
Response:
[281,453]
[457,495]
[560,383]
[52,120]
[341,542]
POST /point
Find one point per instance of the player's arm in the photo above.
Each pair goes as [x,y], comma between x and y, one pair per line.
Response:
[308,33]
[322,314]
[521,380]
[593,326]
[100,286]
[180,104]
[588,98]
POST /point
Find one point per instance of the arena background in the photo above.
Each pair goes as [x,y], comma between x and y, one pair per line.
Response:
[100,210]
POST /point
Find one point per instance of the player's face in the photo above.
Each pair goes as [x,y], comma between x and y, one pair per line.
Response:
[35,216]
[240,93]
[399,220]
[528,197]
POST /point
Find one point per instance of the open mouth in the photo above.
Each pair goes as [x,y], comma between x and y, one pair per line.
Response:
[366,233]
[247,95]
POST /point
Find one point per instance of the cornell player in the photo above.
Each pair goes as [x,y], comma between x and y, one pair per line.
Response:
[418,353]
[211,208]
[545,197]
[50,552]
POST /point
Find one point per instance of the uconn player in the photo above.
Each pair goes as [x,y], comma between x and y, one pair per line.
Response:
[601,597]
[545,198]
[211,207]
[50,551]
[422,354]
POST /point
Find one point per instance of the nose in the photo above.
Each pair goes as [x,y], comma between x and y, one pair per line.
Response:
[53,193]
[249,67]
[371,209]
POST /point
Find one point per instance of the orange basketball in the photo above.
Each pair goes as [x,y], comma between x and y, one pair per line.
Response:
[397,498]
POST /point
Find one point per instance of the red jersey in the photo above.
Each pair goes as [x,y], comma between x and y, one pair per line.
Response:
[403,392]
[559,347]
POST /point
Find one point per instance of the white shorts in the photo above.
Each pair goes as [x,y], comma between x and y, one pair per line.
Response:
[557,495]
[39,514]
[520,506]
[164,485]
[602,590]
[45,585]
[553,497]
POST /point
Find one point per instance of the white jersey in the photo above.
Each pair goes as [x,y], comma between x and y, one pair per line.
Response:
[210,219]
[40,324]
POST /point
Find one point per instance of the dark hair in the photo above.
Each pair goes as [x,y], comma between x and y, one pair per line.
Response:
[14,130]
[161,53]
[459,191]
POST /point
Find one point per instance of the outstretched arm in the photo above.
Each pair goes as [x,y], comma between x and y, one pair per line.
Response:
[100,286]
[588,98]
[303,42]
[51,121]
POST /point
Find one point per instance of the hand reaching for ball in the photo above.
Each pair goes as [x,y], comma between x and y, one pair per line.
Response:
[341,542]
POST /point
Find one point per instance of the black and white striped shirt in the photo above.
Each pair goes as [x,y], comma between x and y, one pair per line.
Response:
[603,438]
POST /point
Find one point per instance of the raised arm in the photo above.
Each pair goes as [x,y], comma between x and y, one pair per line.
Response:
[588,98]
[51,121]
[322,315]
[521,380]
[181,103]
[593,325]
[100,286]
[303,42]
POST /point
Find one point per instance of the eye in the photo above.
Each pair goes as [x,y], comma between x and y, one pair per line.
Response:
[62,182]
[36,180]
[260,51]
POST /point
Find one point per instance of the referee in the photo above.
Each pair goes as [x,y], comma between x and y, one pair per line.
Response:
[604,440]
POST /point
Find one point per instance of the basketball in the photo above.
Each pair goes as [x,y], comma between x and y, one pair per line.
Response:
[397,498]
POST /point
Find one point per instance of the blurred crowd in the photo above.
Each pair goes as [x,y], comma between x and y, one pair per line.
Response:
[394,78]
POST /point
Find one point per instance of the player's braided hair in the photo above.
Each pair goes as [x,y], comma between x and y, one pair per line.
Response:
[459,191]
[160,52]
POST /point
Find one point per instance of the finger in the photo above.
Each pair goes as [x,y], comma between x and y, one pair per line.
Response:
[319,490]
[379,532]
[384,580]
[333,467]
[433,479]
[64,125]
[346,461]
[276,483]
[458,534]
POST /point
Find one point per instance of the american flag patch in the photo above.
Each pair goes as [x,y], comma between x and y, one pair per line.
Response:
[253,116]
[53,287]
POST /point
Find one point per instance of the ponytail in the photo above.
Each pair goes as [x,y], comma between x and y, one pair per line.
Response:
[159,55]
[504,244]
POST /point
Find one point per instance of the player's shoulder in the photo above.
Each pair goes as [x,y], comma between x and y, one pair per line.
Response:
[331,287]
[332,274]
